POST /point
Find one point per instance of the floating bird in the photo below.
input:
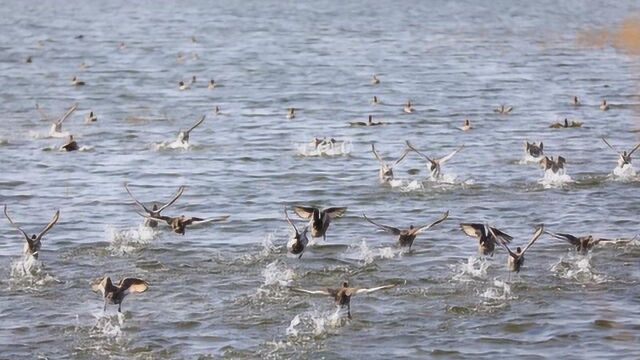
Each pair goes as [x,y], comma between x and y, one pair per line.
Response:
[182,85]
[217,110]
[34,242]
[516,259]
[90,117]
[503,110]
[407,236]
[466,126]
[556,166]
[70,145]
[56,127]
[576,102]
[375,80]
[582,244]
[343,295]
[604,106]
[434,165]
[375,100]
[566,124]
[291,113]
[155,211]
[76,82]
[29,60]
[487,239]
[408,108]
[534,150]
[179,223]
[624,158]
[212,84]
[114,294]
[319,219]
[183,135]
[299,242]
[386,170]
[369,122]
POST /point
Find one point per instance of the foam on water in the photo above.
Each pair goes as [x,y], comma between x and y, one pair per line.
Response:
[527,159]
[314,324]
[499,291]
[107,326]
[578,268]
[342,147]
[626,173]
[475,268]
[368,255]
[128,240]
[29,272]
[555,180]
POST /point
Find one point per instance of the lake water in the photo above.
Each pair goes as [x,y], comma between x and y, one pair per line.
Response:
[222,291]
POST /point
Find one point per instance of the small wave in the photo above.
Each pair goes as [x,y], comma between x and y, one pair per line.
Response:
[578,268]
[340,148]
[48,135]
[128,240]
[475,268]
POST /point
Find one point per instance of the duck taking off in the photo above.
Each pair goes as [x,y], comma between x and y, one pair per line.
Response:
[434,165]
[114,294]
[582,243]
[534,150]
[407,236]
[319,220]
[516,259]
[33,242]
[624,158]
[56,127]
[386,170]
[183,135]
[503,109]
[155,211]
[299,242]
[488,237]
[342,296]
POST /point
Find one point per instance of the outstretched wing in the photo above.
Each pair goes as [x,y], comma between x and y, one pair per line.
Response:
[198,221]
[68,113]
[133,285]
[376,154]
[503,243]
[402,156]
[173,199]
[389,229]
[136,200]
[634,150]
[335,212]
[51,223]
[501,235]
[370,290]
[473,230]
[16,225]
[426,227]
[444,159]
[536,235]
[286,216]
[411,147]
[101,285]
[196,124]
[610,147]
[566,237]
[305,212]
[311,292]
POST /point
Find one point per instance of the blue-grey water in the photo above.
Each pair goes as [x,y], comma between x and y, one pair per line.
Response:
[222,291]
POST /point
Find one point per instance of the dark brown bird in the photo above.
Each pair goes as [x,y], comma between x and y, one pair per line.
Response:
[516,259]
[114,294]
[179,223]
[343,295]
[155,211]
[70,145]
[582,244]
[33,245]
[319,220]
[534,150]
[298,243]
[407,236]
[488,237]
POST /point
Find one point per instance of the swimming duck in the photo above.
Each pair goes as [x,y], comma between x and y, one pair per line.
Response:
[183,135]
[408,108]
[183,86]
[114,294]
[56,127]
[407,236]
[466,126]
[212,84]
[604,106]
[516,259]
[534,150]
[434,165]
[70,145]
[487,239]
[386,170]
[76,82]
[90,117]
[582,244]
[343,295]
[375,80]
[291,113]
[155,211]
[33,244]
[369,122]
[576,102]
[319,220]
[566,124]
[624,158]
[299,242]
[556,166]
[503,110]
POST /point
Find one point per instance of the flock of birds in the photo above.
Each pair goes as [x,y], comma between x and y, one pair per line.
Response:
[488,237]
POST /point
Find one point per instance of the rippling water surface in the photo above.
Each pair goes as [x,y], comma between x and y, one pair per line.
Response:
[222,290]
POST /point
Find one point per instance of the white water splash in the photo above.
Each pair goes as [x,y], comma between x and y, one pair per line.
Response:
[527,159]
[29,272]
[314,324]
[475,268]
[578,268]
[501,290]
[109,326]
[340,148]
[276,273]
[626,173]
[128,240]
[368,255]
[554,180]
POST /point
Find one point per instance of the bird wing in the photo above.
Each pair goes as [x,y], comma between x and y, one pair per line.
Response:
[196,124]
[68,113]
[634,149]
[502,235]
[305,212]
[133,285]
[312,292]
[404,154]
[289,220]
[503,243]
[197,221]
[101,285]
[610,147]
[536,235]
[429,226]
[16,225]
[335,212]
[444,159]
[411,147]
[376,154]
[566,237]
[389,229]
[370,290]
[136,201]
[473,230]
[173,199]
[51,223]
